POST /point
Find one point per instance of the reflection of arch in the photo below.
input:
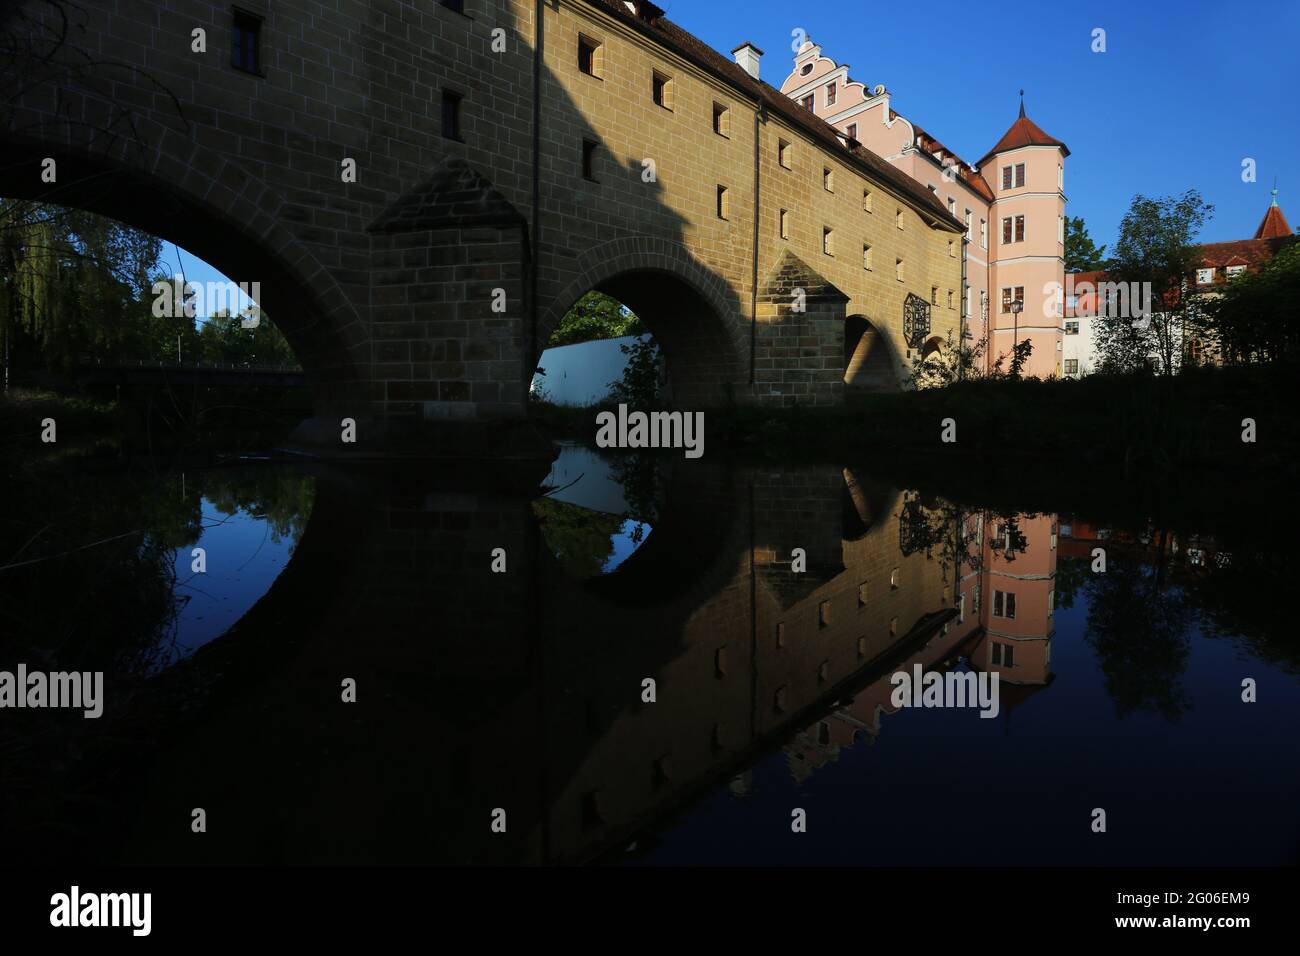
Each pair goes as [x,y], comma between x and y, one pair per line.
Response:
[684,305]
[864,503]
[868,358]
[690,551]
[193,196]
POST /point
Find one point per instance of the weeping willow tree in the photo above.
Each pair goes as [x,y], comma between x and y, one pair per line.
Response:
[75,283]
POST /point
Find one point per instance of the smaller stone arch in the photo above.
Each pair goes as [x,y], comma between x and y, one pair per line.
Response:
[870,364]
[691,311]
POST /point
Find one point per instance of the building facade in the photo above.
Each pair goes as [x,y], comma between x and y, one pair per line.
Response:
[1012,203]
[1090,295]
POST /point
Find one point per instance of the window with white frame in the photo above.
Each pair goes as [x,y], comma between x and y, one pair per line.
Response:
[1004,604]
[968,235]
[984,234]
[1236,270]
[1002,654]
[1204,276]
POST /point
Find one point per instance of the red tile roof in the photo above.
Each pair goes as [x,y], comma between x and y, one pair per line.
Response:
[1023,132]
[972,179]
[1274,225]
[1249,252]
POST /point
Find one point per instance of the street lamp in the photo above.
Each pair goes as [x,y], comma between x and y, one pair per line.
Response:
[1016,308]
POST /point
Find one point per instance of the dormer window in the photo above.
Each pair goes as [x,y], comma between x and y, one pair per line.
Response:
[1204,276]
[1235,270]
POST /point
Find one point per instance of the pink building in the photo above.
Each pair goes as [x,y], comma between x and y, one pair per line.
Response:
[1012,201]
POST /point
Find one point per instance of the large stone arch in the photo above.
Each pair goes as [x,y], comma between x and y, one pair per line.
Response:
[162,181]
[693,313]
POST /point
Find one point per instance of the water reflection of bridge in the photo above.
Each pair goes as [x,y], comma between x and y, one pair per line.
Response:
[523,690]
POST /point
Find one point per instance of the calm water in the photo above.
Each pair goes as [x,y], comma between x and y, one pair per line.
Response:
[769,606]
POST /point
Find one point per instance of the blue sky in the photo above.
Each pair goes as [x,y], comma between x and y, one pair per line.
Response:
[1135,118]
[1183,93]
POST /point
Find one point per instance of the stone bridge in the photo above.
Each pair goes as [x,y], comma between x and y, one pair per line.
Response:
[423,193]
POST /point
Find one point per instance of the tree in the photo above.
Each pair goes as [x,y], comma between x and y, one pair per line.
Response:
[949,364]
[1254,318]
[1081,254]
[230,339]
[595,316]
[1153,259]
[639,386]
[73,282]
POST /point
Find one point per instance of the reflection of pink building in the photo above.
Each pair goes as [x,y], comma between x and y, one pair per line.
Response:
[1012,201]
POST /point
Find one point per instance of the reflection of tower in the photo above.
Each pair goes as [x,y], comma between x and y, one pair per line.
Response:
[1017,598]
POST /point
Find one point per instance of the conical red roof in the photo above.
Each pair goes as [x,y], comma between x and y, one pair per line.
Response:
[1274,225]
[1023,132]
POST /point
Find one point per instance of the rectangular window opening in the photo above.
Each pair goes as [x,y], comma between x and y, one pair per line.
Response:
[246,42]
[451,115]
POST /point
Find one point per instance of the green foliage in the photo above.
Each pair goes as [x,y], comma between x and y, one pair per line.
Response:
[945,366]
[580,538]
[1081,253]
[1156,251]
[595,316]
[639,386]
[223,339]
[76,284]
[73,282]
[1254,320]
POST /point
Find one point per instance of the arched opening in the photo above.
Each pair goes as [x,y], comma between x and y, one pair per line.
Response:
[935,369]
[301,297]
[684,327]
[595,511]
[868,362]
[600,351]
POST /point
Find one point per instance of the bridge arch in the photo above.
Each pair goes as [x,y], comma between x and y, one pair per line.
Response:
[870,363]
[691,311]
[163,182]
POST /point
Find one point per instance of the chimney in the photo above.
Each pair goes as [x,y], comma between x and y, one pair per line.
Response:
[747,56]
